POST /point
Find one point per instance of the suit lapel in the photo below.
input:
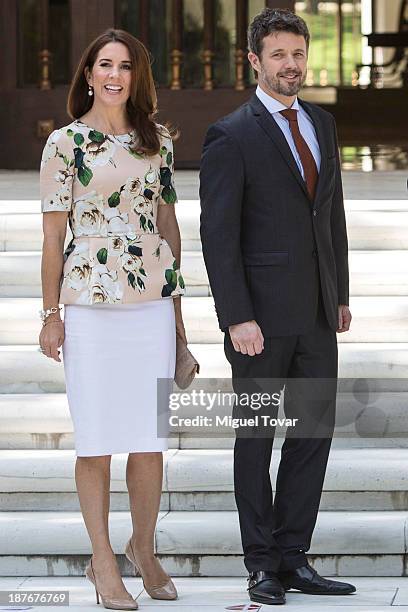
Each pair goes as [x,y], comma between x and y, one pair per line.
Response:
[321,139]
[269,125]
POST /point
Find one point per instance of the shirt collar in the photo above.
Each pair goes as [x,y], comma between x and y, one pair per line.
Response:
[273,105]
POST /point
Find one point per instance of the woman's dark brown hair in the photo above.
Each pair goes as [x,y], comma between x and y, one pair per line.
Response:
[142,102]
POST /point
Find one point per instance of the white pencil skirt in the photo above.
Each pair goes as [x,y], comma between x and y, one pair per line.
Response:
[113,356]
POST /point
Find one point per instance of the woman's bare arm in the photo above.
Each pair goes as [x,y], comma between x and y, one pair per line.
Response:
[168,228]
[54,229]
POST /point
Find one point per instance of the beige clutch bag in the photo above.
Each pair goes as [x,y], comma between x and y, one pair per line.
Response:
[187,365]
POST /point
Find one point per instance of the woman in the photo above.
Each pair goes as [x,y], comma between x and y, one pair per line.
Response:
[110,173]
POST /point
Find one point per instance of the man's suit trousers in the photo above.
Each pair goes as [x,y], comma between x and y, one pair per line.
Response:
[277,533]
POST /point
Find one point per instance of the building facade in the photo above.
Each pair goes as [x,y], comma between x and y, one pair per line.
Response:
[198,50]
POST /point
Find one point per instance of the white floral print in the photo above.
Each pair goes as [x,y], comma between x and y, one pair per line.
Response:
[111,194]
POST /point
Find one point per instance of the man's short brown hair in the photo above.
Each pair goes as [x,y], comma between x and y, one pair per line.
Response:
[270,21]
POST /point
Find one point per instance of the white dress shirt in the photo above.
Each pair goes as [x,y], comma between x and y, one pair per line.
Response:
[305,123]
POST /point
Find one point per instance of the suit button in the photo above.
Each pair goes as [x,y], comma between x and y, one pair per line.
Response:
[314,213]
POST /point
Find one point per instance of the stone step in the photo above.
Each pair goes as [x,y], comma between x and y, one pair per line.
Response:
[42,421]
[383,204]
[201,480]
[23,369]
[376,202]
[65,441]
[381,183]
[371,273]
[368,228]
[199,543]
[375,319]
[21,276]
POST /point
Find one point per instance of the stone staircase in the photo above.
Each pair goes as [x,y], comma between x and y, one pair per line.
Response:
[362,526]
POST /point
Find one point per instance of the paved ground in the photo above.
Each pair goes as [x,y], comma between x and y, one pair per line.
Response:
[16,185]
[217,594]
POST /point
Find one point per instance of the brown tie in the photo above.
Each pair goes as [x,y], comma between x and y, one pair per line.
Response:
[305,154]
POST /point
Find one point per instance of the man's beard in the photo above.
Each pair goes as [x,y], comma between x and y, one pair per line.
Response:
[277,85]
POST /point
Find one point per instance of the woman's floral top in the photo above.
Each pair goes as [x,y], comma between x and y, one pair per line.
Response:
[112,195]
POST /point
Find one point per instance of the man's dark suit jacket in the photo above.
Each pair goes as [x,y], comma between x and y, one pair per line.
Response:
[266,245]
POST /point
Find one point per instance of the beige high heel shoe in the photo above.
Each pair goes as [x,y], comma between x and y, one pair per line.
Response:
[164,591]
[111,604]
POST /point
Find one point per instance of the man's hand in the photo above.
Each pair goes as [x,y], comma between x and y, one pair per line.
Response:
[247,338]
[344,319]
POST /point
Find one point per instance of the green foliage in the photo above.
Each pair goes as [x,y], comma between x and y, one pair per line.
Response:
[102,256]
[324,45]
[84,175]
[114,199]
[79,139]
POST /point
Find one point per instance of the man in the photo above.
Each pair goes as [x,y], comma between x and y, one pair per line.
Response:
[275,246]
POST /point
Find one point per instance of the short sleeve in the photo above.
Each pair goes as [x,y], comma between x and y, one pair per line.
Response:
[167,194]
[57,173]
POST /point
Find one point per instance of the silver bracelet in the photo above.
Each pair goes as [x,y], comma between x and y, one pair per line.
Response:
[46,313]
[49,322]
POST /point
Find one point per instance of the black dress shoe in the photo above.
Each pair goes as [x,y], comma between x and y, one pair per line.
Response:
[264,587]
[307,580]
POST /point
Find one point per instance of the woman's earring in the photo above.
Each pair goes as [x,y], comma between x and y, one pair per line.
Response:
[90,90]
